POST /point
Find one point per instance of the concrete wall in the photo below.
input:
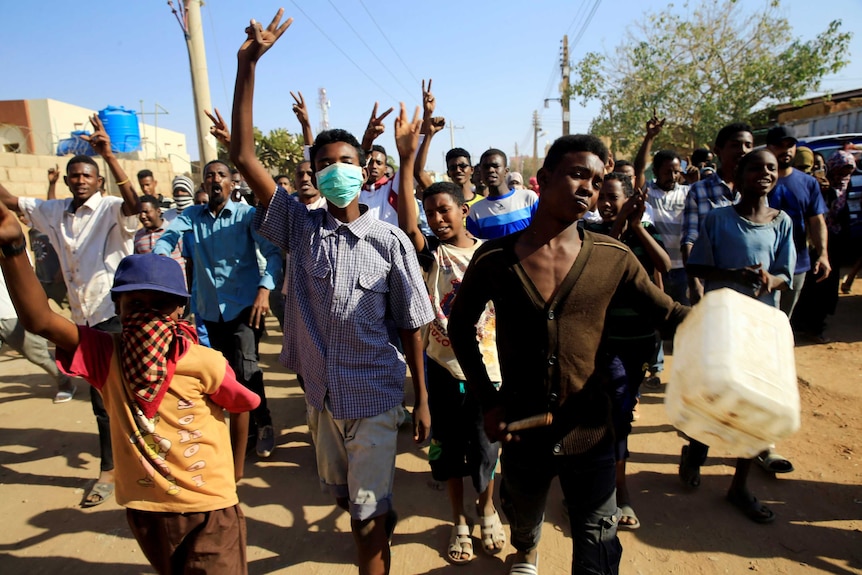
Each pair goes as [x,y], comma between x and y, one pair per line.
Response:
[27,174]
[42,123]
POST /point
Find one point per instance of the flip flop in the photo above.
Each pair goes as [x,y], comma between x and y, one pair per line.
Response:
[628,513]
[751,507]
[771,462]
[492,533]
[460,544]
[65,395]
[101,490]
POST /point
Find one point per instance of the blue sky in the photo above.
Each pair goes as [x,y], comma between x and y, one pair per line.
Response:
[493,62]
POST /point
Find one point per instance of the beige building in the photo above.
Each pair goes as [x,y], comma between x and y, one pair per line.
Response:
[37,127]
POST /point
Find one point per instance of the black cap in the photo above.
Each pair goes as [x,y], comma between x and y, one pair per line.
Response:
[778,134]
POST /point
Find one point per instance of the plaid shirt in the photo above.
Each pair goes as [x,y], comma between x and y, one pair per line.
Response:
[702,197]
[145,241]
[348,284]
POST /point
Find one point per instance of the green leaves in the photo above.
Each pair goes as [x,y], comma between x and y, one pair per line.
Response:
[702,67]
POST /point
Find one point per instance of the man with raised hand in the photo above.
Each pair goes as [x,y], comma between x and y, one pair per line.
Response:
[352,278]
[92,233]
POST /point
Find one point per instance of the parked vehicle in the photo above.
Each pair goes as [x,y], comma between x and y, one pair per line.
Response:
[828,145]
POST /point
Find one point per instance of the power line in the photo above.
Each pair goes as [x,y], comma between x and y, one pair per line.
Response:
[382,63]
[218,53]
[397,53]
[343,53]
[586,24]
[580,12]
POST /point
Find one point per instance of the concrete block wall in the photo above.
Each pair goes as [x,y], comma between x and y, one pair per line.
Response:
[27,174]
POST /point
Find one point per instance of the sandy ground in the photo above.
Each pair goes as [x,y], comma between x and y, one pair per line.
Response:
[48,458]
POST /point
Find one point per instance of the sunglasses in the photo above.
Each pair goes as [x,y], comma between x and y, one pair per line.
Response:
[456,167]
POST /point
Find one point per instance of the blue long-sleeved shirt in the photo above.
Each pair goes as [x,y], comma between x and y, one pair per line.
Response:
[226,272]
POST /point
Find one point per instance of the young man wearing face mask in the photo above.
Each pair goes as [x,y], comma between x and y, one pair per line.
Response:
[232,295]
[351,276]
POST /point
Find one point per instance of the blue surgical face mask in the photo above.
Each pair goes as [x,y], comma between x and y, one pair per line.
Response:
[340,183]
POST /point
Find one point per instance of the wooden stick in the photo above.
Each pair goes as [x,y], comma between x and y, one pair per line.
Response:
[532,422]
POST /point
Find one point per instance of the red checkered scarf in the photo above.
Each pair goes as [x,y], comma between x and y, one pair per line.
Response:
[150,346]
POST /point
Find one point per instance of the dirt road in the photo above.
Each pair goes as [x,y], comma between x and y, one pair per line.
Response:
[48,458]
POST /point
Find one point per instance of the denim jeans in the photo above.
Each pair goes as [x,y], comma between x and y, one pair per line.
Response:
[588,483]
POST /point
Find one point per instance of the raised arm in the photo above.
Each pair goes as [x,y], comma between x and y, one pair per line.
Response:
[101,144]
[219,128]
[374,128]
[301,111]
[430,125]
[26,292]
[242,153]
[406,140]
[8,200]
[53,176]
[653,129]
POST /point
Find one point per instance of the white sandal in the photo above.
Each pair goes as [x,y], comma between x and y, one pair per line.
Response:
[492,533]
[460,544]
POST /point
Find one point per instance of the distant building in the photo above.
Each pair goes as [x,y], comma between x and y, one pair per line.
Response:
[839,113]
[37,127]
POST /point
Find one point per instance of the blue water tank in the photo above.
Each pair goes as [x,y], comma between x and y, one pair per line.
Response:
[75,146]
[122,127]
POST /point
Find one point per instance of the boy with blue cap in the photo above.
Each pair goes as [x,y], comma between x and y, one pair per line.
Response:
[175,473]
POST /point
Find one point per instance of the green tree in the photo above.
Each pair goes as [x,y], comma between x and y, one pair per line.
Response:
[279,151]
[701,67]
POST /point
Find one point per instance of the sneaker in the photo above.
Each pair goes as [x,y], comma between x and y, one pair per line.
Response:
[265,441]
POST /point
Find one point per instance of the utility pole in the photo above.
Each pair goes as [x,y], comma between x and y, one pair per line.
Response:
[564,85]
[452,128]
[323,104]
[188,15]
[537,127]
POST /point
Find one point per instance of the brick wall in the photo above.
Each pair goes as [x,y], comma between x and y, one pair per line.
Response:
[27,174]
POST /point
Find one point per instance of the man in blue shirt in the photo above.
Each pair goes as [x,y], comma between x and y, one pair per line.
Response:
[232,294]
[798,194]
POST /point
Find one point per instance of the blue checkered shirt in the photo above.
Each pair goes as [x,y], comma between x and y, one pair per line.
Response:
[348,284]
[702,197]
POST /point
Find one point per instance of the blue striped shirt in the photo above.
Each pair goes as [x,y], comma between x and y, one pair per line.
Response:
[498,216]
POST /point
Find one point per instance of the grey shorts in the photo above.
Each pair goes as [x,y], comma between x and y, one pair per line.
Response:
[356,458]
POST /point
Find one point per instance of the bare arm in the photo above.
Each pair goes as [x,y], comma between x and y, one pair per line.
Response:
[817,234]
[653,128]
[101,144]
[8,200]
[53,176]
[430,125]
[413,354]
[657,254]
[374,128]
[239,440]
[406,140]
[301,111]
[26,292]
[242,152]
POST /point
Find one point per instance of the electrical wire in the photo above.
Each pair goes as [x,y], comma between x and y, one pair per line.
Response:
[585,26]
[218,52]
[397,53]
[343,53]
[364,43]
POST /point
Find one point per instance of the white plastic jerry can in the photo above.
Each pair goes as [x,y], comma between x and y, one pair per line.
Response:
[733,378]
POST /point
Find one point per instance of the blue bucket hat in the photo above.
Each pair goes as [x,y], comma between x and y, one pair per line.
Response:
[150,272]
